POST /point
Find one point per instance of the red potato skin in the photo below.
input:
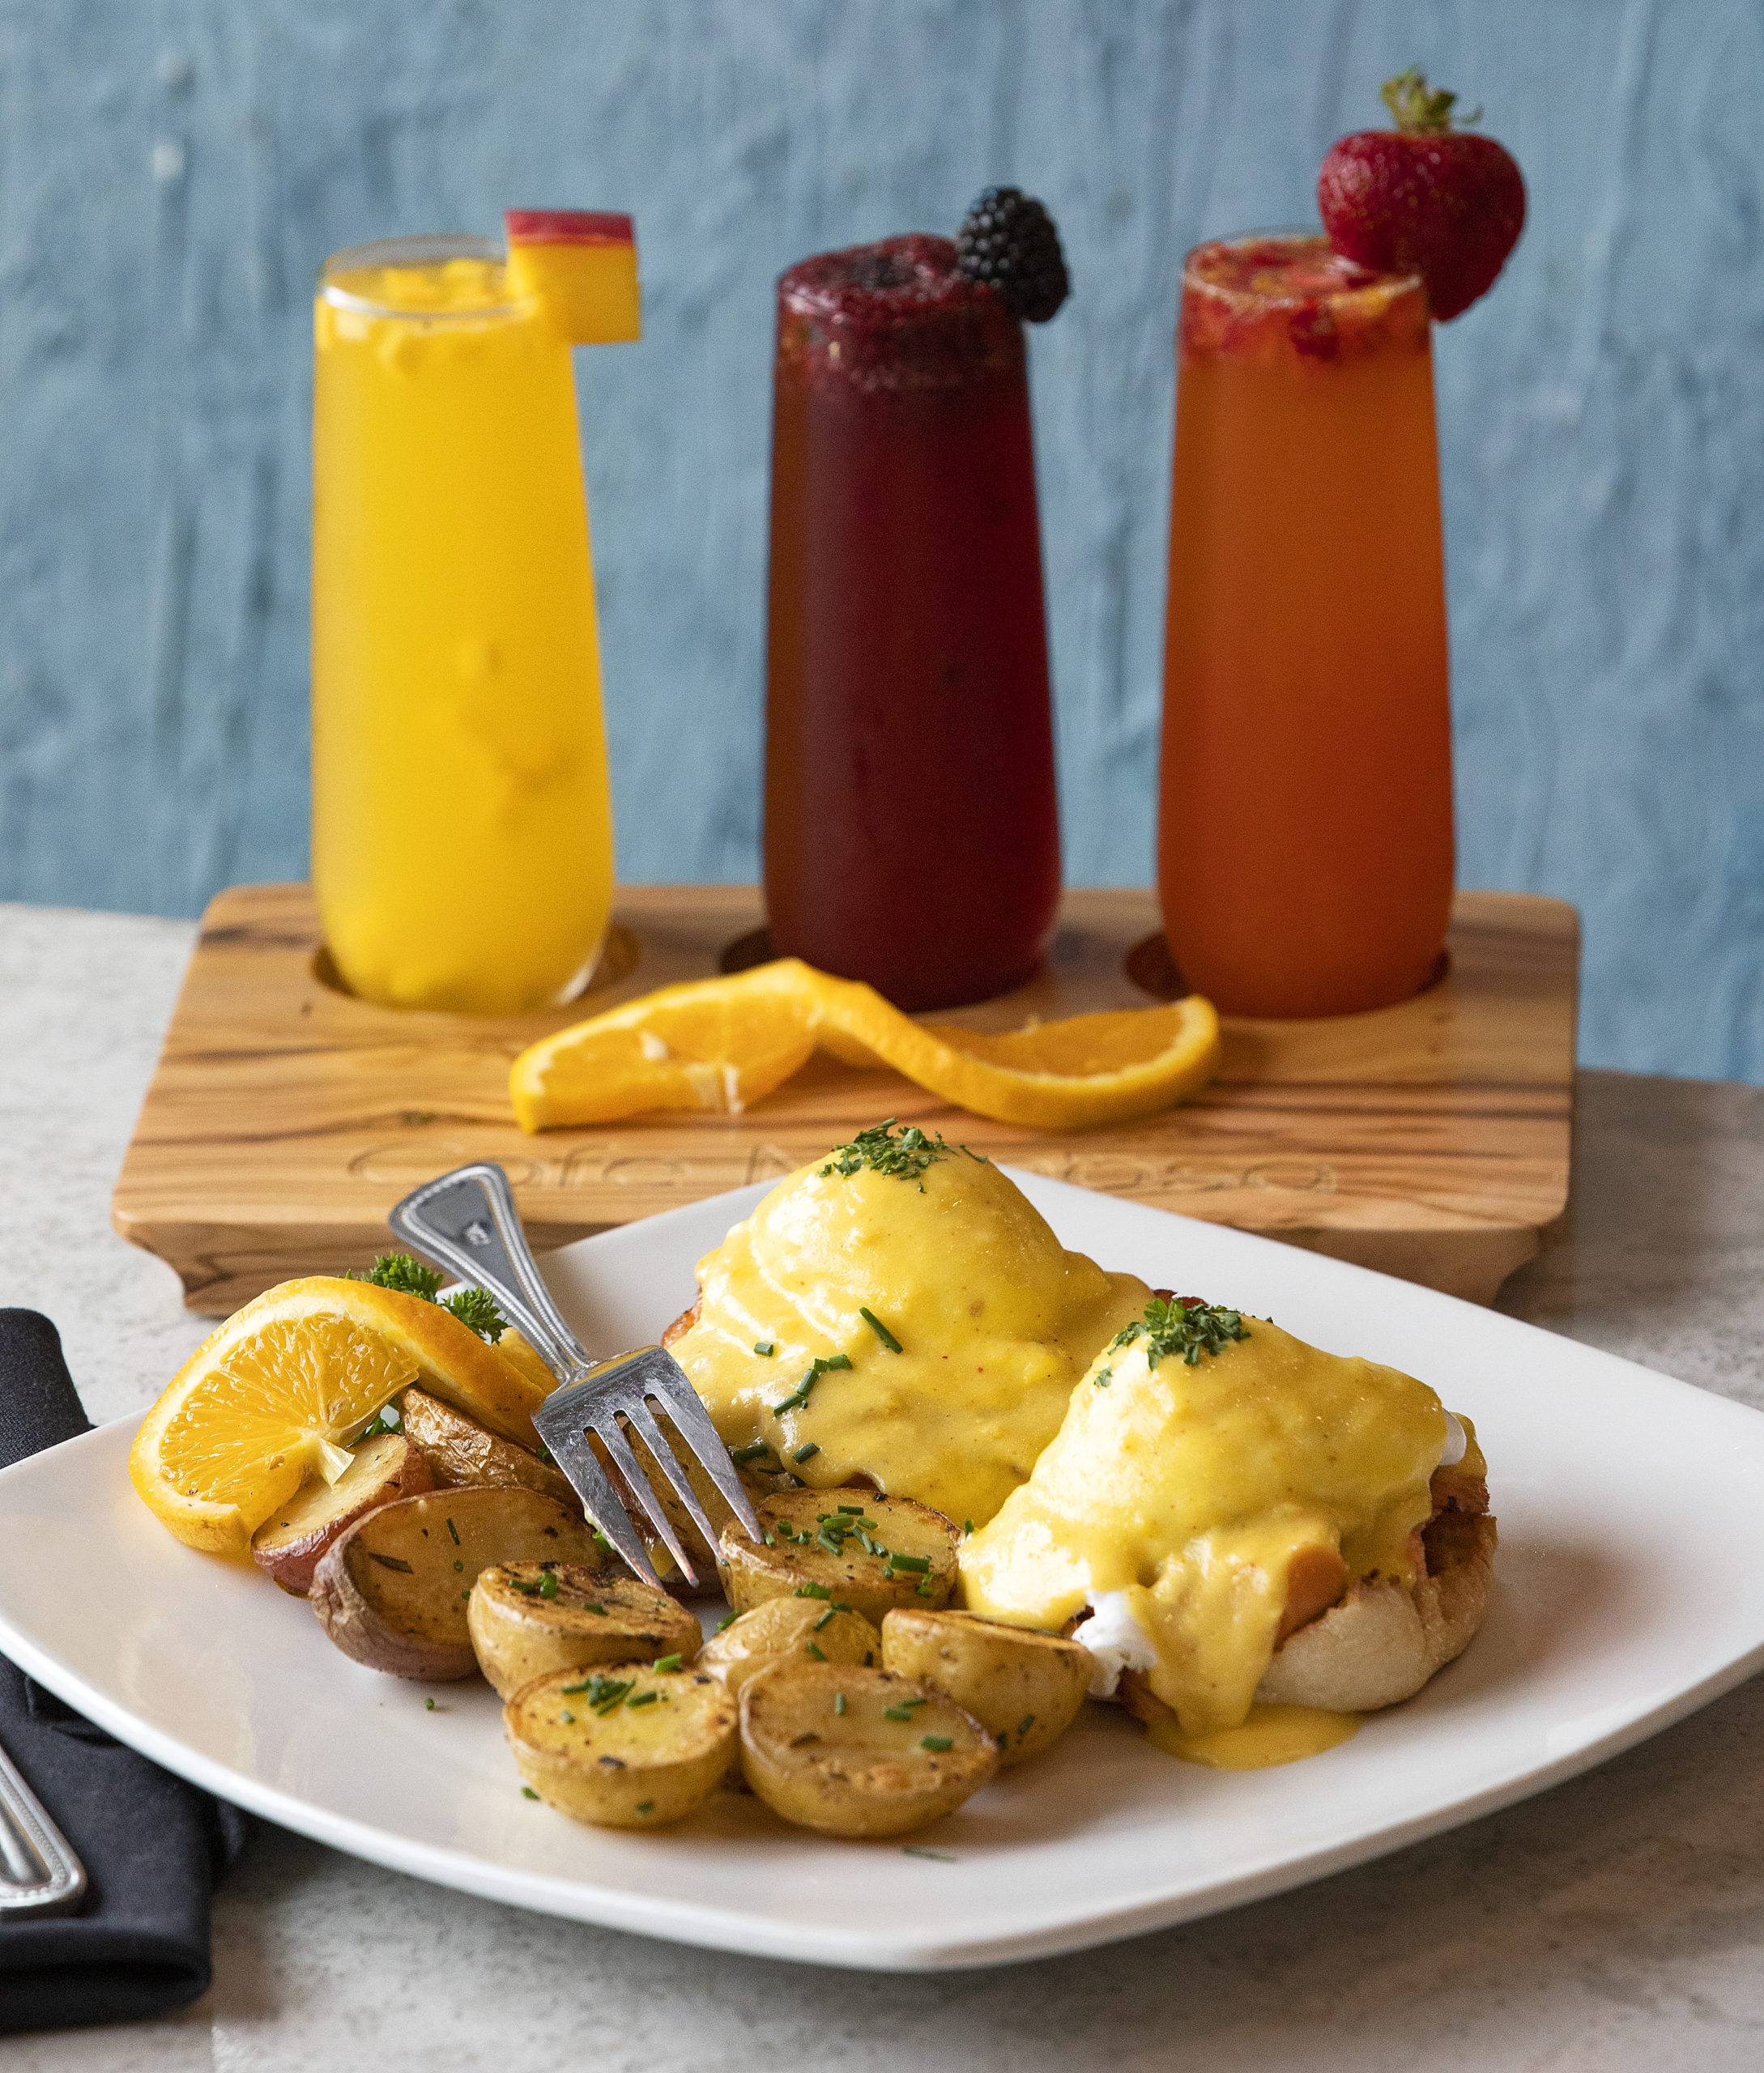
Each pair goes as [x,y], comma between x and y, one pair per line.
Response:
[292,1564]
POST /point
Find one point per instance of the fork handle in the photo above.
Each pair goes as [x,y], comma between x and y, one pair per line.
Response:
[467,1222]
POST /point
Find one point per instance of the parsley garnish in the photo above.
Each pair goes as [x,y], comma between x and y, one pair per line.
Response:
[905,1157]
[475,1308]
[1184,1325]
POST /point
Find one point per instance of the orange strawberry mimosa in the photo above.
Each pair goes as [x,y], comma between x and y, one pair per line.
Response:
[1305,839]
[462,823]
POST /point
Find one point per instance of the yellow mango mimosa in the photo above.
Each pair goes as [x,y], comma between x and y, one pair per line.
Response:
[462,821]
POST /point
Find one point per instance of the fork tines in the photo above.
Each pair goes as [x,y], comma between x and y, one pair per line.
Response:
[619,1390]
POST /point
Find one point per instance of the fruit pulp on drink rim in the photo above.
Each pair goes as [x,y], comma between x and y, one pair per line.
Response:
[911,831]
[462,822]
[1305,849]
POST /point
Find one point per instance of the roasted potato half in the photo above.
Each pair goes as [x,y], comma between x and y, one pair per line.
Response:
[849,1547]
[392,1591]
[788,1629]
[858,1752]
[462,1455]
[289,1542]
[627,1746]
[1023,1687]
[528,1619]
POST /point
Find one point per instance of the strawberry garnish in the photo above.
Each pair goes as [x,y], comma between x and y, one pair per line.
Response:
[1424,197]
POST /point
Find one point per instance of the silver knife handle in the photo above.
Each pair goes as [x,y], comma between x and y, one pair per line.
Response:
[39,1872]
[467,1223]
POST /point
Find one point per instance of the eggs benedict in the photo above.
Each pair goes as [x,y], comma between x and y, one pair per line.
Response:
[898,1312]
[1233,1516]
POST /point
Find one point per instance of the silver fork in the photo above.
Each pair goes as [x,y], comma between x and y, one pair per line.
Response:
[467,1223]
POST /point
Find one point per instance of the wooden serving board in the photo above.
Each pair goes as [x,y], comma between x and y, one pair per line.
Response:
[285,1117]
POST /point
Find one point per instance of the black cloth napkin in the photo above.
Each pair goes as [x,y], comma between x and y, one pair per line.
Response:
[152,1845]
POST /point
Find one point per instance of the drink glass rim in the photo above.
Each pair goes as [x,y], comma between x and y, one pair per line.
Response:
[1272,232]
[421,249]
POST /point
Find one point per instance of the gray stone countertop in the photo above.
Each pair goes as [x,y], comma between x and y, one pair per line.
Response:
[1615,1923]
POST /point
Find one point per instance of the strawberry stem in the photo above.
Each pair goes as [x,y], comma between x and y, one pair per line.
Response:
[1420,111]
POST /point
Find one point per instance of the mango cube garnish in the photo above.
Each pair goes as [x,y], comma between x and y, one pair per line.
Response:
[580,264]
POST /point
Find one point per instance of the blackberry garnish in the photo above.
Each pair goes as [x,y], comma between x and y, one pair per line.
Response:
[1009,241]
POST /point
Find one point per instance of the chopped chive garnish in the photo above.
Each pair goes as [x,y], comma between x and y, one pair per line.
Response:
[839,1702]
[742,1455]
[1024,1725]
[812,1590]
[854,1511]
[967,1527]
[765,1347]
[726,1622]
[880,1329]
[819,1623]
[815,1652]
[646,1806]
[454,1531]
[528,1793]
[602,1539]
[548,1586]
[918,1563]
[600,1609]
[668,1663]
[429,1705]
[913,1849]
[567,1717]
[897,1713]
[581,1686]
[642,1699]
[937,1741]
[465,1594]
[806,1453]
[459,1568]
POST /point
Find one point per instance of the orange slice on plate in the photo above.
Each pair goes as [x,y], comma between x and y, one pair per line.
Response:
[581,266]
[720,1044]
[275,1396]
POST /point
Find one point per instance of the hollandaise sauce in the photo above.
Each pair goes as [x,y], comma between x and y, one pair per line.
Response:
[1270,1735]
[1215,1485]
[911,1319]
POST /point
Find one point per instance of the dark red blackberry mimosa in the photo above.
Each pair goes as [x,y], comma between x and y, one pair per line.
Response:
[911,834]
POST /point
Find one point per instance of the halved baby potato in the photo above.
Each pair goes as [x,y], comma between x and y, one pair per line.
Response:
[528,1619]
[788,1629]
[847,1547]
[392,1591]
[291,1542]
[1024,1687]
[854,1751]
[461,1454]
[626,1746]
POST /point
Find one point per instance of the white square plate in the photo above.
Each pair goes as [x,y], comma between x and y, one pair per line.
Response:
[1627,1593]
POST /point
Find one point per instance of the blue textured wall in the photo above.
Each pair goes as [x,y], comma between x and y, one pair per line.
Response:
[171,176]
